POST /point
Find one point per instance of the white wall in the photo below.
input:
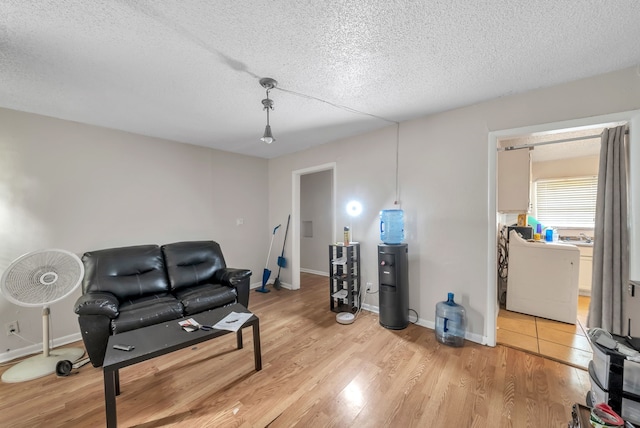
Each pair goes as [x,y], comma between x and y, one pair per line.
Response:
[444,182]
[316,206]
[565,168]
[79,187]
[362,173]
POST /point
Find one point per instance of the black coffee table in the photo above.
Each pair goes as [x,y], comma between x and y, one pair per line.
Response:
[161,339]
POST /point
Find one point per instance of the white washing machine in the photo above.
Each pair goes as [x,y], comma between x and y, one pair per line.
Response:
[542,279]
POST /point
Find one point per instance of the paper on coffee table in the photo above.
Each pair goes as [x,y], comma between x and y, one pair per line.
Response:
[233,321]
[189,325]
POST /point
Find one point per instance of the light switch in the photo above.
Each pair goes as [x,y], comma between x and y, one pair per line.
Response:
[239,221]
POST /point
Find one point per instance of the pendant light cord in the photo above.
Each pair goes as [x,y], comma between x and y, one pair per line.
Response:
[397,200]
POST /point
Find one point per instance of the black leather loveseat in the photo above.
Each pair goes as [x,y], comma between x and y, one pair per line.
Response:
[132,287]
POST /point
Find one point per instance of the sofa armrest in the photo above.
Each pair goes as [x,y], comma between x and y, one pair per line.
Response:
[98,303]
[231,277]
[238,279]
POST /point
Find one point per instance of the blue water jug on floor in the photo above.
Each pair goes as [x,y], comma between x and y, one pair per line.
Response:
[451,322]
[392,226]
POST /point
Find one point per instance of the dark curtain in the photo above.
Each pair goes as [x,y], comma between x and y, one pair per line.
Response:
[611,245]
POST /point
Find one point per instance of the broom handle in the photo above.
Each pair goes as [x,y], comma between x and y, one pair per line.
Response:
[286,231]
[269,253]
[271,246]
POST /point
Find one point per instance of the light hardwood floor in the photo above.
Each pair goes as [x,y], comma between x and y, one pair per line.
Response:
[316,373]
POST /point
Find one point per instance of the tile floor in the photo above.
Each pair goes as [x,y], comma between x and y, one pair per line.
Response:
[552,339]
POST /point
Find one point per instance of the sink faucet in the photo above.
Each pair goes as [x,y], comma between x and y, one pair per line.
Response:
[586,238]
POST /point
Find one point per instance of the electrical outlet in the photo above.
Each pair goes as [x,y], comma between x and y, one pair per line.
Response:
[369,285]
[12,327]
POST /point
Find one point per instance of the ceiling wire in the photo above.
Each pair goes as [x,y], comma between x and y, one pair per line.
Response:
[397,200]
[352,110]
[349,109]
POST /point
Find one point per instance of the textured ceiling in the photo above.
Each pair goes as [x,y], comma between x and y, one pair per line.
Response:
[188,70]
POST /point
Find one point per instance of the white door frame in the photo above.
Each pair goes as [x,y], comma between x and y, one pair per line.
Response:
[295,216]
[492,239]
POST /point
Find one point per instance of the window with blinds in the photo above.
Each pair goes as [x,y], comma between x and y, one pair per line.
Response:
[567,202]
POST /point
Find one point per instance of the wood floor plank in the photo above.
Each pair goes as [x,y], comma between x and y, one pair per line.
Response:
[316,373]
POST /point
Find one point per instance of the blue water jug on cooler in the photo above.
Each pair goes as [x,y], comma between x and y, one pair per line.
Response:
[451,322]
[392,226]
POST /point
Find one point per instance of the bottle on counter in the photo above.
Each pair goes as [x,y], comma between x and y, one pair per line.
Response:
[548,234]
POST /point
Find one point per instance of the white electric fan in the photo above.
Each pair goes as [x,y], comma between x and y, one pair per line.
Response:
[38,279]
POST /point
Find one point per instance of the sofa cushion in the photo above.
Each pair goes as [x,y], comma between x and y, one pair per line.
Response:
[204,297]
[127,273]
[192,263]
[146,311]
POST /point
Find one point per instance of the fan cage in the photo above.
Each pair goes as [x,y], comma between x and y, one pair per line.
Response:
[42,277]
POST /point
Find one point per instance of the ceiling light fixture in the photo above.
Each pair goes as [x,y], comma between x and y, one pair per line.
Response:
[268,83]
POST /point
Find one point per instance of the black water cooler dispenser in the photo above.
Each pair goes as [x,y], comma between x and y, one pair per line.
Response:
[393,277]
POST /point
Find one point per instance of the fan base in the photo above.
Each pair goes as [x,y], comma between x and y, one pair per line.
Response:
[39,365]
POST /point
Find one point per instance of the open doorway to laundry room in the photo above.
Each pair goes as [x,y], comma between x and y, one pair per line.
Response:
[547,180]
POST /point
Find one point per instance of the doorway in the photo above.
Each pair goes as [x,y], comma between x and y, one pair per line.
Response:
[315,221]
[296,218]
[632,117]
[559,178]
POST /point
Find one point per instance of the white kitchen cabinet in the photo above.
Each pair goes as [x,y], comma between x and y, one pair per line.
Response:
[586,264]
[514,181]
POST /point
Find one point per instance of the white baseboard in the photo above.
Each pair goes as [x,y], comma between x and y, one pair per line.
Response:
[286,285]
[371,308]
[37,348]
[270,283]
[473,337]
[429,324]
[314,272]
